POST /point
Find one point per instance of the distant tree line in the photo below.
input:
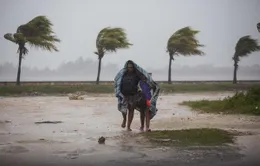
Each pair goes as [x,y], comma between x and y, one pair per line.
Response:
[183,42]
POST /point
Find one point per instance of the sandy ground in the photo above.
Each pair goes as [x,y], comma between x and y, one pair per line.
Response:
[74,141]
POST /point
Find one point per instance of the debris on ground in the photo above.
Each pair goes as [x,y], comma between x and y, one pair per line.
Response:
[31,94]
[76,96]
[6,121]
[101,140]
[48,122]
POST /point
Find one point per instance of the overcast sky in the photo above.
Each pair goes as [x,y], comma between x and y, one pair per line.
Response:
[148,23]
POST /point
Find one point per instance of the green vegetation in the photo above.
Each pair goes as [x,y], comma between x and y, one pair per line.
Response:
[109,88]
[242,103]
[182,42]
[189,137]
[203,87]
[110,40]
[244,47]
[54,89]
[37,33]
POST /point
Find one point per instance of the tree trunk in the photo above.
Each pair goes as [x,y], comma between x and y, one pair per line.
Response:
[19,67]
[235,71]
[170,70]
[99,70]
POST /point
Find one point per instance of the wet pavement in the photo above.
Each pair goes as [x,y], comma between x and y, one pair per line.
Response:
[73,139]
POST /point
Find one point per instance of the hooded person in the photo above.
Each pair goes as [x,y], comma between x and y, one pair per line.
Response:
[126,90]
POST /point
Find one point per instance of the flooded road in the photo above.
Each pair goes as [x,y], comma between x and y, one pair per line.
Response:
[73,139]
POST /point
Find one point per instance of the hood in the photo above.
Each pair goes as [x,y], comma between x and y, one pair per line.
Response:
[140,70]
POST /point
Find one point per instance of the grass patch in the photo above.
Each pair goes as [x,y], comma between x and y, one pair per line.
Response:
[53,89]
[189,137]
[109,88]
[241,103]
[203,87]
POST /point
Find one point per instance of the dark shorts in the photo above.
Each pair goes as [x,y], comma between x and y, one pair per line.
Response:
[136,101]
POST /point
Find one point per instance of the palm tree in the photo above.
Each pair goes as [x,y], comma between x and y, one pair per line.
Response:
[110,40]
[37,33]
[258,27]
[245,46]
[182,42]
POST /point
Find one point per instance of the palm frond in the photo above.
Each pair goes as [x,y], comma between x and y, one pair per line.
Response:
[186,31]
[20,38]
[39,34]
[245,46]
[10,37]
[43,44]
[189,52]
[23,50]
[50,38]
[111,39]
[100,34]
[184,42]
[38,26]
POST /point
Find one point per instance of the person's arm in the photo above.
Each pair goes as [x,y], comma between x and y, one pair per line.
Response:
[139,88]
[148,91]
[149,95]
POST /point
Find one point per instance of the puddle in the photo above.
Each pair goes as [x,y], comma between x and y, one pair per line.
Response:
[40,141]
[14,149]
[4,122]
[48,122]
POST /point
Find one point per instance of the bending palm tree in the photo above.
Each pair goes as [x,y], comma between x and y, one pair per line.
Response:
[183,42]
[110,40]
[245,46]
[37,33]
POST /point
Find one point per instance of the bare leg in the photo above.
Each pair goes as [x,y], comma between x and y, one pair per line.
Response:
[147,117]
[130,119]
[142,116]
[124,120]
